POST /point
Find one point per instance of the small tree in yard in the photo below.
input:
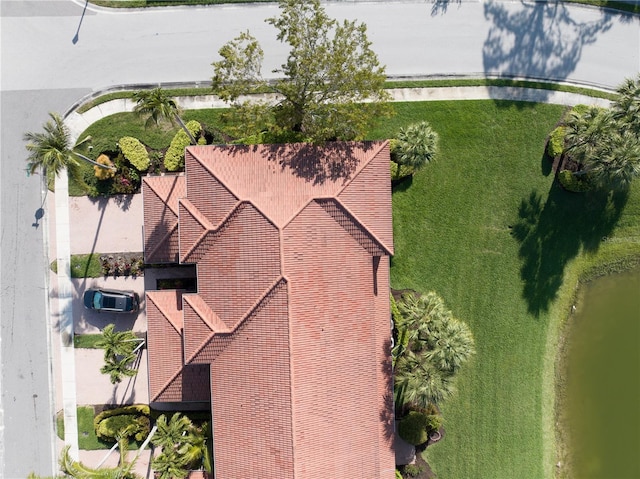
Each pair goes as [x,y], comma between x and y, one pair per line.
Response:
[183,446]
[332,86]
[415,146]
[605,142]
[158,105]
[119,353]
[52,151]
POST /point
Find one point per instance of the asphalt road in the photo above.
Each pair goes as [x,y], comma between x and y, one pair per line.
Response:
[52,53]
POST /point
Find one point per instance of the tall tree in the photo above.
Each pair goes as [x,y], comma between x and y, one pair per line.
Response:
[158,105]
[333,82]
[51,150]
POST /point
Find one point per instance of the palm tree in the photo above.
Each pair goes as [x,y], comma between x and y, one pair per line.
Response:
[450,345]
[586,132]
[195,449]
[171,433]
[120,349]
[415,146]
[169,465]
[118,366]
[420,315]
[420,383]
[159,105]
[51,150]
[117,343]
[618,160]
[78,470]
[626,107]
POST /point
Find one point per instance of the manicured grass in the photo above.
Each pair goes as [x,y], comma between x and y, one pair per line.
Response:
[486,227]
[82,266]
[87,438]
[86,341]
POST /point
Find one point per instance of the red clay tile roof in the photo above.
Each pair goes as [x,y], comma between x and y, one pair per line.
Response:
[171,381]
[291,244]
[160,197]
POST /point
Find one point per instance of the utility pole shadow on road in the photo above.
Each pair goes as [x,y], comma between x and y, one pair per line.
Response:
[76,37]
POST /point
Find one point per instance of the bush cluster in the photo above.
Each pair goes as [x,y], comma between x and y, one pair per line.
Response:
[135,152]
[413,428]
[404,171]
[174,158]
[555,145]
[573,183]
[413,470]
[121,266]
[133,421]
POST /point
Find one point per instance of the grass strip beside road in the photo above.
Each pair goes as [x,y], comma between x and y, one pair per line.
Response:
[83,266]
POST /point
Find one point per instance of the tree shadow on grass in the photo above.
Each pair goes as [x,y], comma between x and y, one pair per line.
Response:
[552,233]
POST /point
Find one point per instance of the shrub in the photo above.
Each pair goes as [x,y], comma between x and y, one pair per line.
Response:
[103,173]
[413,470]
[573,183]
[174,158]
[128,424]
[555,145]
[134,409]
[434,423]
[134,151]
[413,428]
[400,171]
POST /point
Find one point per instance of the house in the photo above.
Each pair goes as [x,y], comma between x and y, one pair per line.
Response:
[287,338]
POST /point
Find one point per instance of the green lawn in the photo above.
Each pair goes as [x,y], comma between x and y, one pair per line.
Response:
[486,228]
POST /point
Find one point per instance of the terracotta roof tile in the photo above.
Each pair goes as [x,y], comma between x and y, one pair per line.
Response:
[160,199]
[292,312]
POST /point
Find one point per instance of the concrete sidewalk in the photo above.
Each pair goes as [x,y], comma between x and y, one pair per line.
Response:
[78,122]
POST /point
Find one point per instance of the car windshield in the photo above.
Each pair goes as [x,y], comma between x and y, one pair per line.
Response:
[97,300]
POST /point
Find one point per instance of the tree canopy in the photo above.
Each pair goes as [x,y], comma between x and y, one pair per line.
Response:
[331,85]
[606,141]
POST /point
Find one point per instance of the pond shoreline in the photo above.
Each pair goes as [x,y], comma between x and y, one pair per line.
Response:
[565,467]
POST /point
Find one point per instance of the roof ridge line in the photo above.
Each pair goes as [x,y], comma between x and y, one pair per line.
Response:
[168,383]
[162,311]
[150,185]
[211,229]
[240,322]
[213,173]
[189,298]
[382,144]
[362,225]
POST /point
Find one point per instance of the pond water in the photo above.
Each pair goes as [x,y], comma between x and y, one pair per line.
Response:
[603,379]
